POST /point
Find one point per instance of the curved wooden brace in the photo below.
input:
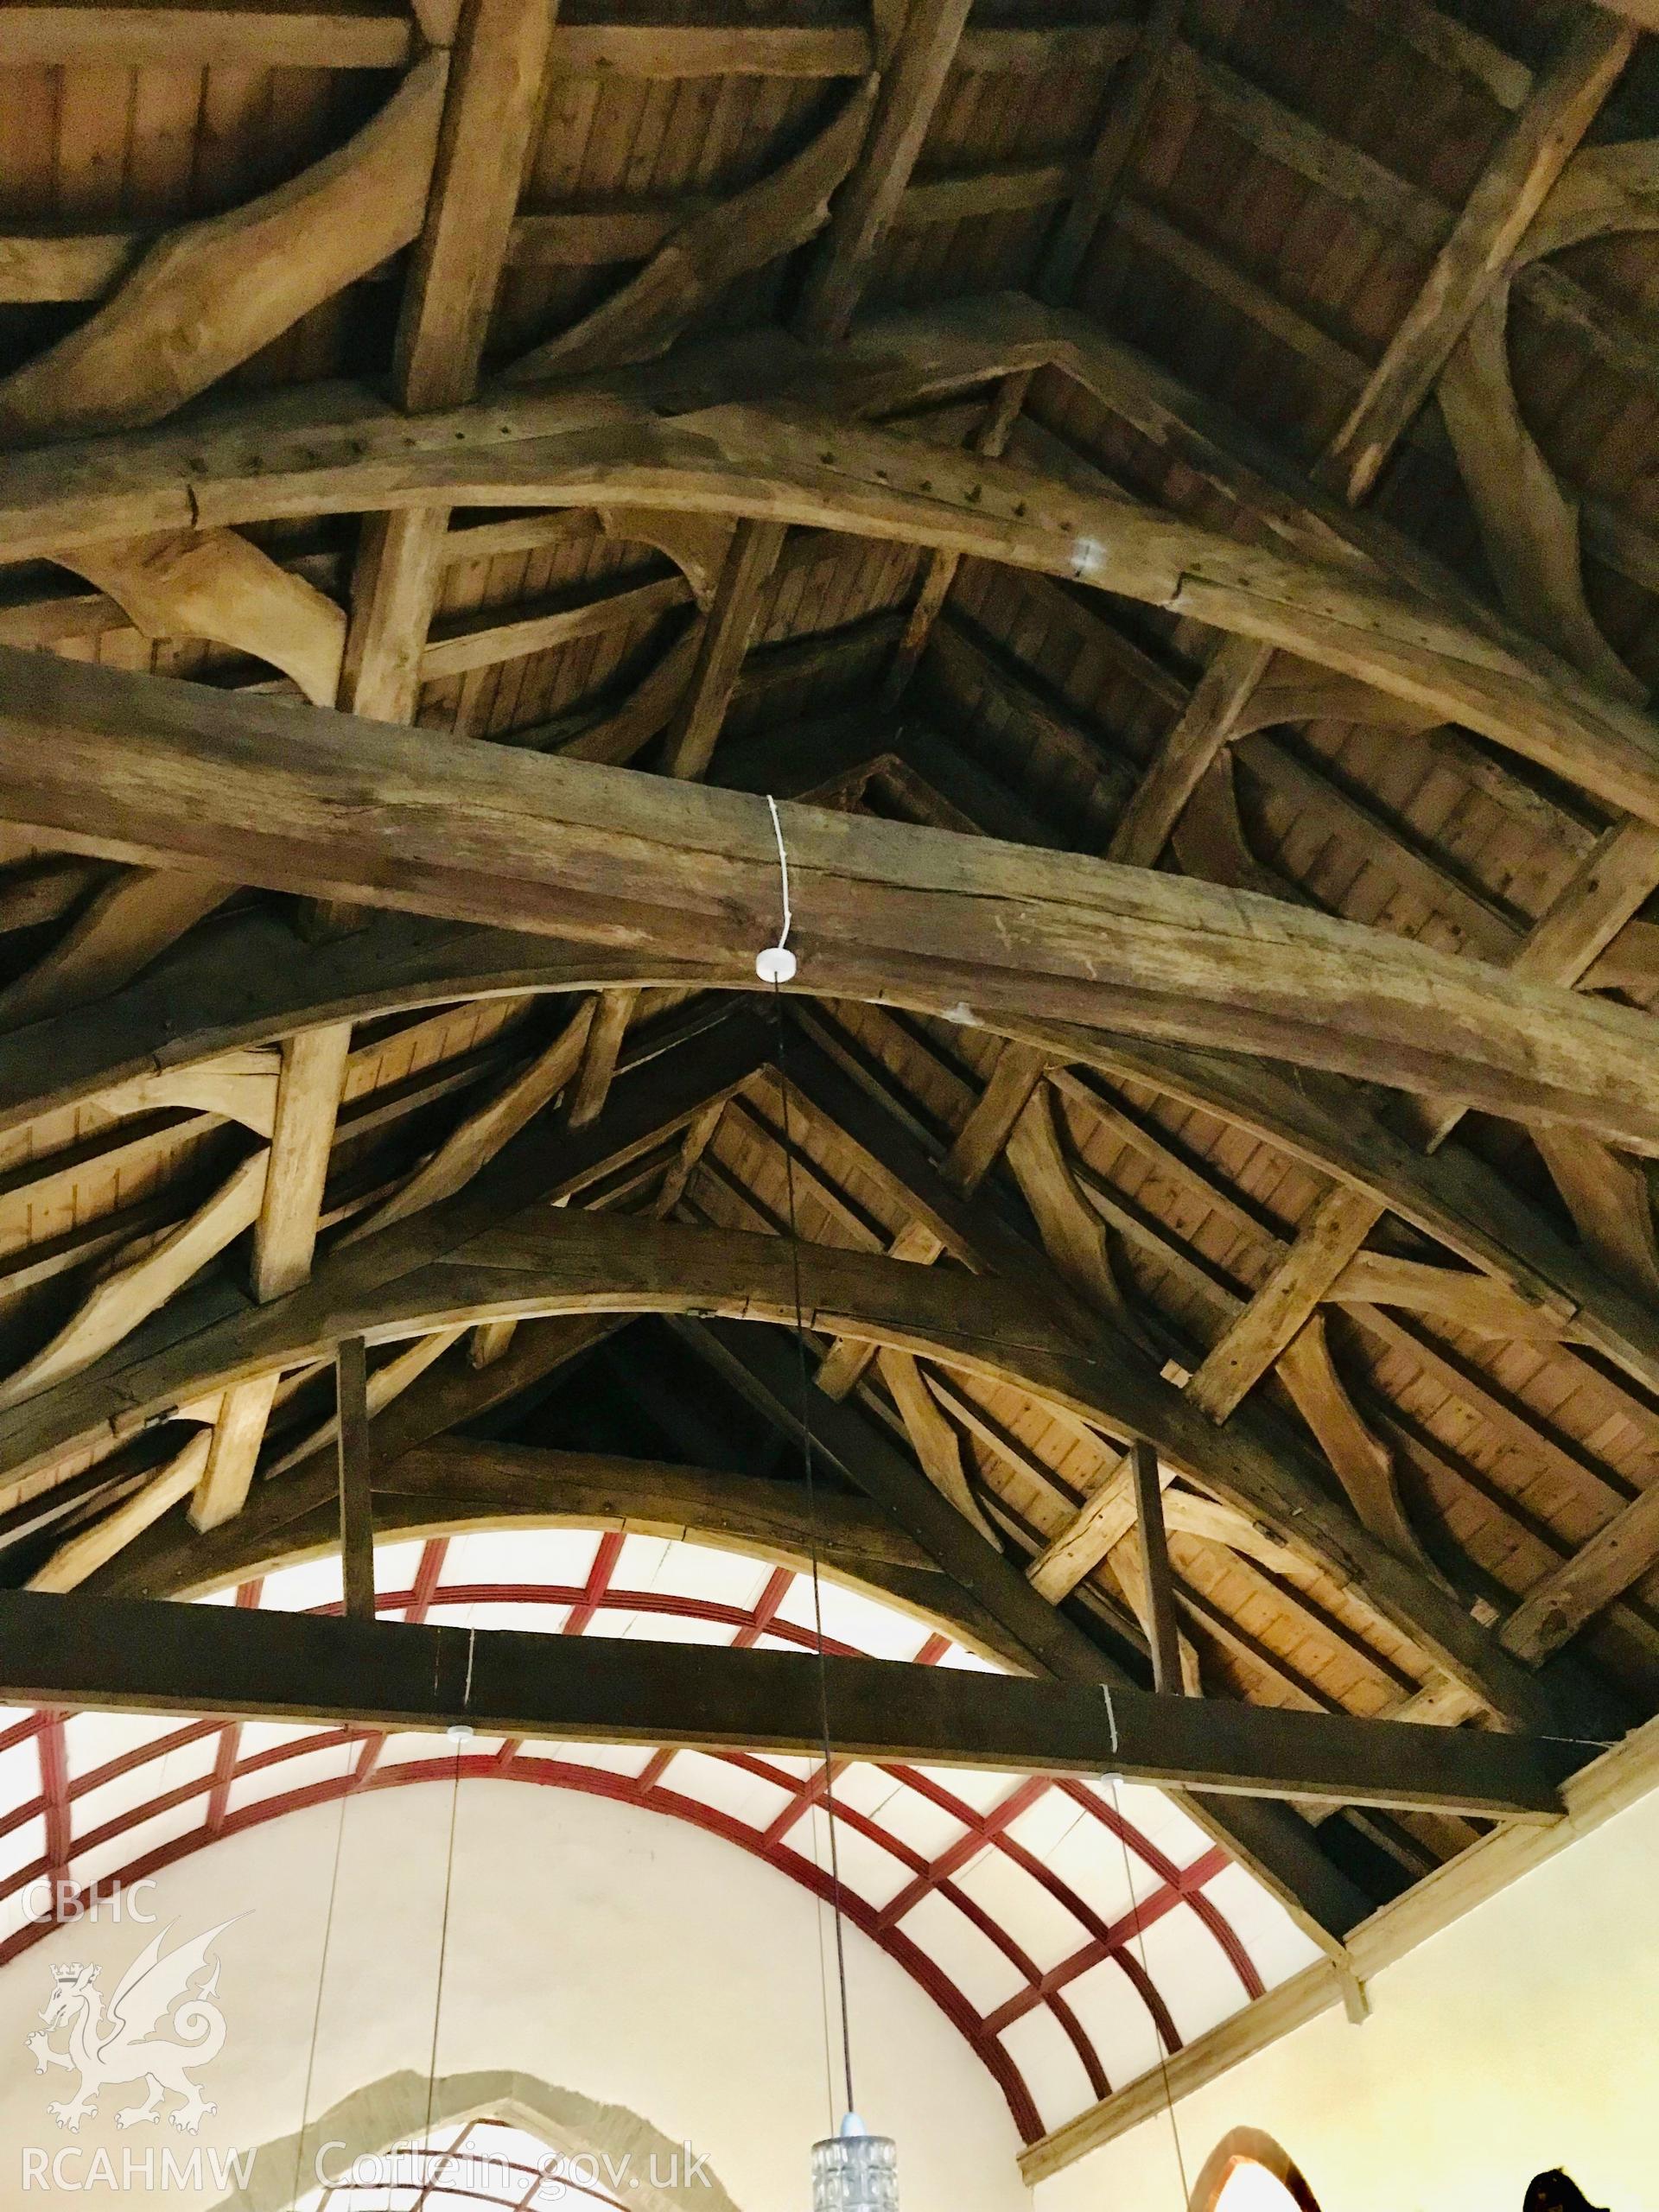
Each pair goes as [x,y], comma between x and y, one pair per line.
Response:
[946,923]
[1073,1236]
[121,1301]
[1602,190]
[444,1271]
[455,1486]
[696,544]
[253,985]
[237,1086]
[184,583]
[1529,525]
[1330,698]
[1608,1198]
[1363,1464]
[131,922]
[791,466]
[708,253]
[934,1442]
[1209,843]
[212,293]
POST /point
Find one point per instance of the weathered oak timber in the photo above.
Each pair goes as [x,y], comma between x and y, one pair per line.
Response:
[214,584]
[212,293]
[130,1293]
[150,37]
[1563,103]
[1102,182]
[912,80]
[794,467]
[492,106]
[308,1099]
[353,1449]
[91,1548]
[129,923]
[253,984]
[724,640]
[452,1484]
[948,923]
[132,1655]
[475,1260]
[707,253]
[1164,1624]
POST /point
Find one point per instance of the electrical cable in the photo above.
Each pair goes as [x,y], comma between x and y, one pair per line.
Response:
[776,965]
[323,1969]
[813,1544]
[459,1735]
[1140,1944]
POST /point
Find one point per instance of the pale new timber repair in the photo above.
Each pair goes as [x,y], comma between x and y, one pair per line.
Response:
[1273,1084]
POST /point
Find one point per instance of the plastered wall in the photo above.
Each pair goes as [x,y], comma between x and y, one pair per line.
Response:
[1524,2036]
[614,1954]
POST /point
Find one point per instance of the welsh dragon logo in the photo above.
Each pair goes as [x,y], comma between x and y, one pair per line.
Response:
[123,2046]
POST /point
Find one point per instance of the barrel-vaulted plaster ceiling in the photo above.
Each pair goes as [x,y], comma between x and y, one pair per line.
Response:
[1070,1931]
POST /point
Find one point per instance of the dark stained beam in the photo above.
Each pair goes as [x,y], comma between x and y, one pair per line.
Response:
[353,1445]
[129,1655]
[1278,1847]
[478,1257]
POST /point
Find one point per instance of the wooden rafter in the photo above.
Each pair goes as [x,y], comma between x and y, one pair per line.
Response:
[1564,102]
[979,1023]
[1505,199]
[913,77]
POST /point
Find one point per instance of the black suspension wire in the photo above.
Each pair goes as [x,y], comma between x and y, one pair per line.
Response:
[1140,1944]
[804,1417]
[323,1969]
[443,1938]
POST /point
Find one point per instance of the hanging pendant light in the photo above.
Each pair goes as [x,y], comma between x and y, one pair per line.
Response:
[852,2169]
[856,2172]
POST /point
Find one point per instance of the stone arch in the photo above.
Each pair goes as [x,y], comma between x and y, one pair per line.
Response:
[1248,2146]
[381,2115]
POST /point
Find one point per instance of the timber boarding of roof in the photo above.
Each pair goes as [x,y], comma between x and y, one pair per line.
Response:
[1299,230]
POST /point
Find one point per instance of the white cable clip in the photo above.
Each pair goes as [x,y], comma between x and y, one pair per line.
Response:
[776,964]
[461,1731]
